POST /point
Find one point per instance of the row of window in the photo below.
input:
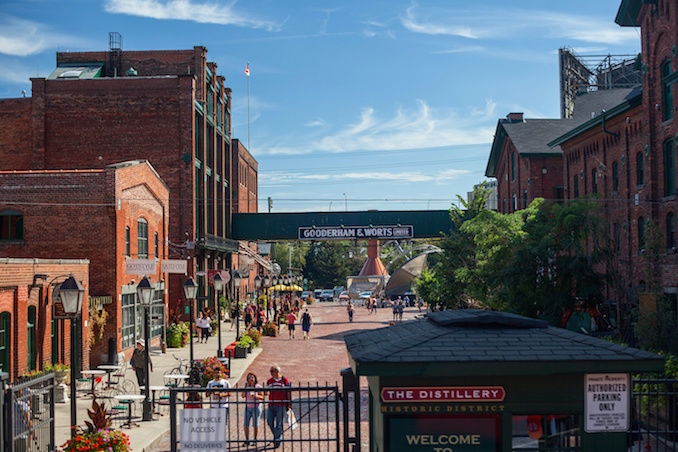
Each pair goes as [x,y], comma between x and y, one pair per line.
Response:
[142,240]
[11,225]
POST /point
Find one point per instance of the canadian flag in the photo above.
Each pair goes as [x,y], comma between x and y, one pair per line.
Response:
[247,70]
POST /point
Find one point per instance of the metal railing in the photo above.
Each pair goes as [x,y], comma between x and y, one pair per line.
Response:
[654,406]
[29,415]
[316,409]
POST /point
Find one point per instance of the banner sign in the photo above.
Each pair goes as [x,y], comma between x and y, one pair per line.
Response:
[203,429]
[607,402]
[178,266]
[444,433]
[355,232]
[140,266]
[434,394]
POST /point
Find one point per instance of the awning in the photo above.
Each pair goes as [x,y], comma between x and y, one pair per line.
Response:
[283,288]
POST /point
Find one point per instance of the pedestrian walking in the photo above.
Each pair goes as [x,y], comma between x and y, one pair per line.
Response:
[278,404]
[198,326]
[400,311]
[350,309]
[306,322]
[138,362]
[206,327]
[395,310]
[234,314]
[291,318]
[253,408]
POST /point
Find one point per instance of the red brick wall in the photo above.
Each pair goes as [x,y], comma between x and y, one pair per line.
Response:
[15,138]
[16,275]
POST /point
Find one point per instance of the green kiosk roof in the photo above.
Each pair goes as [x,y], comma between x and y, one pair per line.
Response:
[474,342]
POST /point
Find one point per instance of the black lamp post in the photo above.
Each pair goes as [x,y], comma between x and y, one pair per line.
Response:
[257,286]
[71,293]
[190,292]
[267,284]
[145,294]
[235,280]
[218,282]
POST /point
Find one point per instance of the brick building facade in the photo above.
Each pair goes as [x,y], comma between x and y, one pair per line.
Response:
[28,337]
[167,107]
[105,216]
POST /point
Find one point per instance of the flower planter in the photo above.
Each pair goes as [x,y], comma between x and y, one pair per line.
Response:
[240,352]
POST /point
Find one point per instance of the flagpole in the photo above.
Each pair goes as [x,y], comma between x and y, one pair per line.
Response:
[248,108]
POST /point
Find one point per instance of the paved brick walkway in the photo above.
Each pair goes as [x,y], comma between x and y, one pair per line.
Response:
[320,358]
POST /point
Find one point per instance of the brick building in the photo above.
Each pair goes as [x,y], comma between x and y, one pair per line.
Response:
[620,151]
[28,336]
[105,216]
[167,107]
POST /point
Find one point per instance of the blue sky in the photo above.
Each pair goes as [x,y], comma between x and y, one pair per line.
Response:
[356,105]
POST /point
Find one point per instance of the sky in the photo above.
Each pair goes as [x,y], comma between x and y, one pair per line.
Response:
[350,105]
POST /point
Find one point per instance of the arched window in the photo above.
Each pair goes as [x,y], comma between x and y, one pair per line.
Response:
[615,177]
[515,202]
[671,231]
[142,239]
[667,92]
[641,233]
[669,169]
[594,181]
[525,199]
[156,244]
[576,186]
[639,169]
[11,225]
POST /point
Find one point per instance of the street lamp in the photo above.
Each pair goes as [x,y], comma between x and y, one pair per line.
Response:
[71,293]
[257,286]
[218,283]
[235,279]
[145,294]
[267,284]
[190,292]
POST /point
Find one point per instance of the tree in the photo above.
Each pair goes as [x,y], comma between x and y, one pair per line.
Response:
[328,263]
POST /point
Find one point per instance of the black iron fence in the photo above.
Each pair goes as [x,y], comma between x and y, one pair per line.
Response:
[654,425]
[310,424]
[28,415]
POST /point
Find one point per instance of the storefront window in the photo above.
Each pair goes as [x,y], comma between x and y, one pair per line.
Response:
[537,432]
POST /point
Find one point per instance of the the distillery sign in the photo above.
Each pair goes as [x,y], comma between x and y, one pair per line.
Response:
[355,232]
[438,394]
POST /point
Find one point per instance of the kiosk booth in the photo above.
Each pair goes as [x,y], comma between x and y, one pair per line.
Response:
[477,381]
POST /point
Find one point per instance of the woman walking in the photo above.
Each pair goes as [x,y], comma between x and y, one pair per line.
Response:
[253,408]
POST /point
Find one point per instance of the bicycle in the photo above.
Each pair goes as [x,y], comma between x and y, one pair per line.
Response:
[182,367]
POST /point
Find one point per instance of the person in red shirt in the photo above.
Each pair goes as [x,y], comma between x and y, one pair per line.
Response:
[278,404]
[291,318]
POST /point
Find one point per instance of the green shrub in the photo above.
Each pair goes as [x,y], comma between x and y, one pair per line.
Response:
[244,342]
[177,335]
[255,336]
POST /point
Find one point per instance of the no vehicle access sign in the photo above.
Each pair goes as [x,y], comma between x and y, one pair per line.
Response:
[607,402]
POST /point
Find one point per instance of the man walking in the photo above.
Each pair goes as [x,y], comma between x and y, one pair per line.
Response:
[278,404]
[138,362]
[306,322]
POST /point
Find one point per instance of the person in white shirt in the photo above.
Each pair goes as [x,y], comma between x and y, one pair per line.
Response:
[219,399]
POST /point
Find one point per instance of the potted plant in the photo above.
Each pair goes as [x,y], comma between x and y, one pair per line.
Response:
[98,435]
[243,346]
[255,335]
[61,371]
[270,329]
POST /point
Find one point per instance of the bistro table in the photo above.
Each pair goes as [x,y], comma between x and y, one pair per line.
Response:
[177,379]
[92,374]
[109,368]
[153,389]
[129,399]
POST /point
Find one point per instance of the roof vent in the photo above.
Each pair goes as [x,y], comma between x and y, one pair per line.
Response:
[131,72]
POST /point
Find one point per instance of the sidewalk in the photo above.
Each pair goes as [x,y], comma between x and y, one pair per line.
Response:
[144,437]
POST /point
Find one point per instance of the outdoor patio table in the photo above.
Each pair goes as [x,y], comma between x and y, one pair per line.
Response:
[92,374]
[129,399]
[153,389]
[109,368]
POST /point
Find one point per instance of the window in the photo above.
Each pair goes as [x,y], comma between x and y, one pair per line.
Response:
[639,169]
[641,233]
[594,182]
[670,231]
[129,316]
[142,239]
[515,202]
[156,245]
[576,186]
[667,92]
[513,166]
[127,250]
[617,237]
[11,225]
[669,169]
[615,177]
[525,199]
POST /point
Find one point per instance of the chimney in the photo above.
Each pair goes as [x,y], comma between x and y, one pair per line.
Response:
[515,117]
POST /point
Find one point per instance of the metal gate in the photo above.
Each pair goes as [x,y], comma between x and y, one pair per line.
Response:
[28,415]
[316,409]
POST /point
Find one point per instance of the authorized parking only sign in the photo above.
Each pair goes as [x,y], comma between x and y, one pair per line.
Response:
[607,402]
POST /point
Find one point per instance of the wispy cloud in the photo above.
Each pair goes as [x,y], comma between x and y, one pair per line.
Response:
[19,37]
[216,12]
[407,128]
[281,178]
[492,23]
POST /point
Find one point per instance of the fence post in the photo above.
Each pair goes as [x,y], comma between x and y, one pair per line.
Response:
[5,427]
[351,385]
